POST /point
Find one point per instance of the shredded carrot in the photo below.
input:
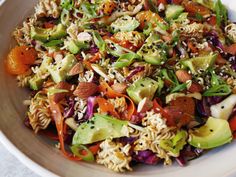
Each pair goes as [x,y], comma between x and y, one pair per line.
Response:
[192,47]
[158,109]
[107,107]
[96,57]
[107,37]
[230,49]
[87,64]
[59,120]
[110,93]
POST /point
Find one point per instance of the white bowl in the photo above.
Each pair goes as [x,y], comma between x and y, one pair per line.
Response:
[40,155]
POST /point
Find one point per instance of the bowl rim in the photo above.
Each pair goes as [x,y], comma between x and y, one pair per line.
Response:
[24,159]
[42,171]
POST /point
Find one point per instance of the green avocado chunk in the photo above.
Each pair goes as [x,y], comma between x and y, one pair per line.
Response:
[75,46]
[173,11]
[59,71]
[99,128]
[37,81]
[199,64]
[45,35]
[142,88]
[124,24]
[214,133]
[152,51]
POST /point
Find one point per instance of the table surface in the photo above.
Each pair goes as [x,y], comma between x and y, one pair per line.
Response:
[12,167]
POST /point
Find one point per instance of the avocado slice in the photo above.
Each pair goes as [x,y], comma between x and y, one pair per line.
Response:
[37,81]
[125,24]
[142,88]
[153,51]
[173,11]
[214,133]
[45,35]
[60,70]
[198,64]
[99,128]
[75,46]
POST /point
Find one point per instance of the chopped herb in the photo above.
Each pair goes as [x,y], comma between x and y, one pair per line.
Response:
[221,13]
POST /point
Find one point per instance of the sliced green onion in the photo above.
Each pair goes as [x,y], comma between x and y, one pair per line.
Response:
[230,71]
[162,25]
[65,17]
[214,79]
[221,13]
[175,37]
[89,9]
[179,88]
[160,85]
[148,29]
[218,90]
[53,43]
[116,49]
[83,152]
[125,60]
[170,76]
[152,6]
[99,41]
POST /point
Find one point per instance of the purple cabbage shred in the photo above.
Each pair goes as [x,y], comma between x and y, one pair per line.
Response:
[135,71]
[181,160]
[91,102]
[128,140]
[93,49]
[69,111]
[147,157]
[213,38]
[203,106]
[137,119]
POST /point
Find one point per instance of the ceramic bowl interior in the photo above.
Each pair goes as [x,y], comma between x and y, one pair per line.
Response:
[39,153]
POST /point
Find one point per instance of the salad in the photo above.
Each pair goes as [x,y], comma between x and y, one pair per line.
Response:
[125,82]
